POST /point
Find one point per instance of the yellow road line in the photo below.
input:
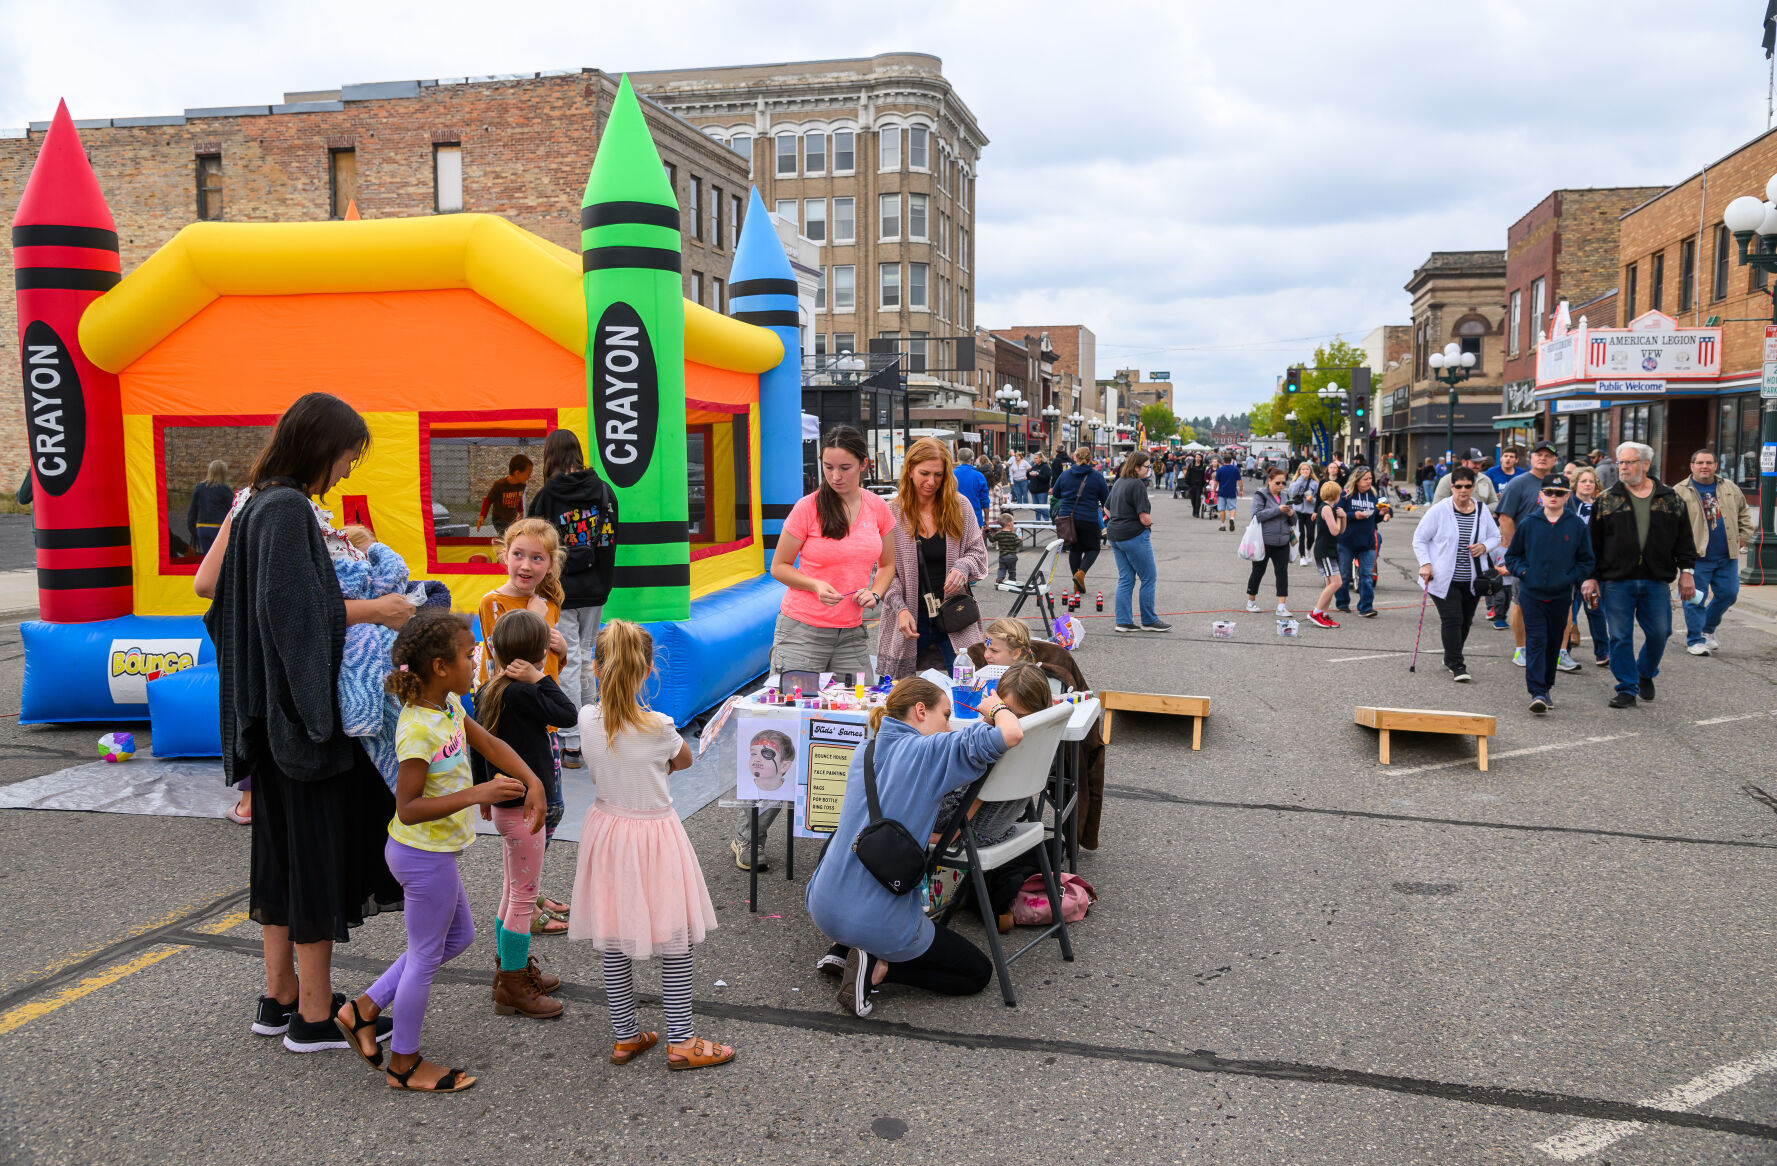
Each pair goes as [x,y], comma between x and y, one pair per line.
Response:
[172,916]
[25,1013]
[223,923]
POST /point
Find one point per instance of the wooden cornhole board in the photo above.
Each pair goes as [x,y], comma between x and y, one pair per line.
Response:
[1195,707]
[1427,721]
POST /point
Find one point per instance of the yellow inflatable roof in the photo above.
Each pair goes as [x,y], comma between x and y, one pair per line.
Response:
[525,275]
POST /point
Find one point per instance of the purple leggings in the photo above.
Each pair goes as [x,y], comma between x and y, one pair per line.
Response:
[439,929]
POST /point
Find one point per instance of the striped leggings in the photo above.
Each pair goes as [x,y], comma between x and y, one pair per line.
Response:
[675,994]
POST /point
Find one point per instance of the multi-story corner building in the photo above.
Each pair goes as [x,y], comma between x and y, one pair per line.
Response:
[516,146]
[1458,296]
[877,159]
[1564,248]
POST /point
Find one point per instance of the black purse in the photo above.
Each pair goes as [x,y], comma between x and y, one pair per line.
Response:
[1487,580]
[954,612]
[887,850]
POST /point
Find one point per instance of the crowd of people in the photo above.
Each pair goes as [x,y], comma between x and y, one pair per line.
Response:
[352,816]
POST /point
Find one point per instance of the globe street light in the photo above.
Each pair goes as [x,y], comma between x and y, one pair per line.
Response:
[1050,413]
[1451,367]
[1746,216]
[1078,422]
[1012,401]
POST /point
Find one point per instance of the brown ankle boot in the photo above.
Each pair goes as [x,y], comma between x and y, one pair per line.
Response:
[515,992]
[544,981]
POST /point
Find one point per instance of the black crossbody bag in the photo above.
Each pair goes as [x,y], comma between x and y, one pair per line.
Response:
[952,613]
[891,854]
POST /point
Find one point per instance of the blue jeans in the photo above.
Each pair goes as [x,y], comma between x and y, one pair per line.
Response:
[1366,586]
[1628,602]
[1021,491]
[1719,581]
[1596,625]
[1135,559]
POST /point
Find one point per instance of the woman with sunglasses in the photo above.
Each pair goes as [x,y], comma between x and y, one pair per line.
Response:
[1449,544]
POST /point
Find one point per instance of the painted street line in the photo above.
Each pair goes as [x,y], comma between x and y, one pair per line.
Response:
[26,1013]
[1349,659]
[1589,1137]
[1741,717]
[1470,761]
[31,1010]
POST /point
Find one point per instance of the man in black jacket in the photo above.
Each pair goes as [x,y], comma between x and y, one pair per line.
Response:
[1641,540]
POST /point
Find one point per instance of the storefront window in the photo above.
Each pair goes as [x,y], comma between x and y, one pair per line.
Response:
[1749,442]
[1727,436]
[1646,424]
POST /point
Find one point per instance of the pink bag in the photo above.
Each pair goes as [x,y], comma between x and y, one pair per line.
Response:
[1030,908]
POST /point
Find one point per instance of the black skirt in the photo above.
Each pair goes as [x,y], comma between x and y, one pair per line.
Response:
[318,866]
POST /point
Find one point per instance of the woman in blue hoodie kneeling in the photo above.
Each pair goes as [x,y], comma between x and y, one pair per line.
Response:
[918,760]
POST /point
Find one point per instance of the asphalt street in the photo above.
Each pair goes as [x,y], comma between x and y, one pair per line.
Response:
[1299,955]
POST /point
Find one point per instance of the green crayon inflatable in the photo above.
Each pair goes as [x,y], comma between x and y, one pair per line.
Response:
[635,363]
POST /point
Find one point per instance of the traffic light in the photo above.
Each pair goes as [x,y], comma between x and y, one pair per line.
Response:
[1292,381]
[1357,405]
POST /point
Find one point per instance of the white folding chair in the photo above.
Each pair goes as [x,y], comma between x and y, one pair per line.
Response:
[1020,775]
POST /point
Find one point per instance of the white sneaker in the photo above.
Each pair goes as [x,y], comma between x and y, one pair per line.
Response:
[1518,657]
[1283,609]
[1698,649]
[1252,605]
[1710,642]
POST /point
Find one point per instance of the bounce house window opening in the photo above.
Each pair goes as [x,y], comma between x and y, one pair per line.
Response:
[698,440]
[184,447]
[465,461]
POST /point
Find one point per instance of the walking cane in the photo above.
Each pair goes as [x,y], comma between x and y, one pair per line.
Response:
[1424,595]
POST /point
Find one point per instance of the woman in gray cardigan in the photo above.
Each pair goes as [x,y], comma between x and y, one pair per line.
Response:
[1275,518]
[939,552]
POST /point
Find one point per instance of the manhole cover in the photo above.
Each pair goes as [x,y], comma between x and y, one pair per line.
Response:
[888,1128]
[1418,888]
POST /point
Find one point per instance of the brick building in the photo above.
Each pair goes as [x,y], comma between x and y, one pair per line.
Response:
[519,147]
[1563,248]
[876,158]
[1457,296]
[1676,257]
[1073,385]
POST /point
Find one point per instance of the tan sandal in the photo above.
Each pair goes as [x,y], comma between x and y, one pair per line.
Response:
[625,1051]
[697,1053]
[453,1081]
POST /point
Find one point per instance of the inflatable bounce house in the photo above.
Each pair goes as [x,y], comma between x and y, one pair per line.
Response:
[462,340]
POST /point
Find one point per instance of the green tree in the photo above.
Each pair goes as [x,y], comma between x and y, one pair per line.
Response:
[1187,434]
[1158,420]
[1331,364]
[1260,417]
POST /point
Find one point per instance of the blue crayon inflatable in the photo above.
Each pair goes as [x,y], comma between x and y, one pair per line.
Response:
[763,293]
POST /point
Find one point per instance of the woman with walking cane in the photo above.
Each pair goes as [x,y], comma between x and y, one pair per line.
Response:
[1450,543]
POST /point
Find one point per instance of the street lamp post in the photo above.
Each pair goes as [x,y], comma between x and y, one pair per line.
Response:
[1451,367]
[1050,413]
[1012,401]
[1078,422]
[1334,396]
[1746,216]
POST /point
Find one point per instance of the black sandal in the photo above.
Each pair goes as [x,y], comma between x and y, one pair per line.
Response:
[351,1032]
[445,1084]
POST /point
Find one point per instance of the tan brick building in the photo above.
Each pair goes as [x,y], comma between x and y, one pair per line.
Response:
[1457,296]
[1563,248]
[1072,387]
[1677,257]
[519,147]
[876,158]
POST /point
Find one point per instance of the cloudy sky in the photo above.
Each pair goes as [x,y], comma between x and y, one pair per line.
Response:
[1212,188]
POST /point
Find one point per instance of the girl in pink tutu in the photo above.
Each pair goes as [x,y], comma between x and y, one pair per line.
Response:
[638,891]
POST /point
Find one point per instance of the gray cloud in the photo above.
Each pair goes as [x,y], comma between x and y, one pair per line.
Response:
[1200,183]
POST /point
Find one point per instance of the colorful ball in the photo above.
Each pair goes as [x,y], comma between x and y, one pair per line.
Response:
[116,747]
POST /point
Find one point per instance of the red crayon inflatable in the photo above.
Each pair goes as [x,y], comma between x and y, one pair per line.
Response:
[64,257]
